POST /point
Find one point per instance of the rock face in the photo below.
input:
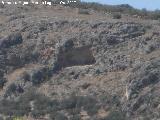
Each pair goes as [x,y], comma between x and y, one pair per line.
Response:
[76,56]
[59,64]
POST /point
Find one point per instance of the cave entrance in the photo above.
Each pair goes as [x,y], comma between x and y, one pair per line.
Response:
[76,56]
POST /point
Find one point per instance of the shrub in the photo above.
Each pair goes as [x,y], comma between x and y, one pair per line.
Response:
[69,103]
[75,117]
[74,104]
[26,77]
[83,11]
[111,100]
[44,105]
[16,17]
[123,9]
[60,116]
[155,15]
[11,89]
[10,107]
[117,16]
[1,118]
[150,48]
[1,5]
[21,106]
[11,40]
[2,82]
[29,95]
[115,115]
[40,75]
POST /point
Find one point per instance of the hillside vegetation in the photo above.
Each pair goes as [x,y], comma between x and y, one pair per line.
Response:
[83,61]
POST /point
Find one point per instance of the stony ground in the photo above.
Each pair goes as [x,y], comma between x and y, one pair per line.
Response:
[57,64]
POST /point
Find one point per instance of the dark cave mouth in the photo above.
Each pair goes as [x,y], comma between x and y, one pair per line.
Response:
[80,56]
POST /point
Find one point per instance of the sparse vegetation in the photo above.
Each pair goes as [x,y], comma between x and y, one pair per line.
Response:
[105,63]
[60,116]
[39,76]
[26,77]
[11,89]
[1,5]
[115,115]
[123,9]
[117,16]
[11,108]
[84,11]
[1,118]
[2,82]
[44,105]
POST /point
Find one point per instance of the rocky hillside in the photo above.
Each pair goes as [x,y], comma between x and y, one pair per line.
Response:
[63,63]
